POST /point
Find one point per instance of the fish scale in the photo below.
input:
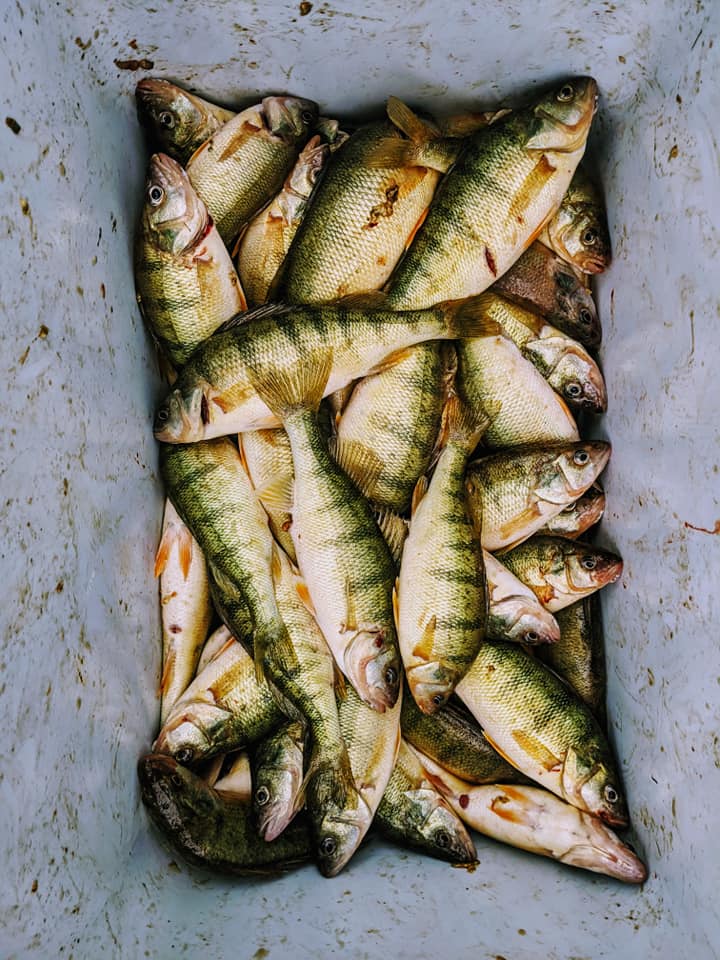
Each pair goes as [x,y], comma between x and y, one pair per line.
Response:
[506,183]
[540,726]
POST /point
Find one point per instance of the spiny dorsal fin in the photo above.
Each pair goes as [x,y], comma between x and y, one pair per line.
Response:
[405,119]
[359,462]
[394,529]
[257,313]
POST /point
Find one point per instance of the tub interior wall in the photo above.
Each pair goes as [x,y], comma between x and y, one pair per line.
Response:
[81,504]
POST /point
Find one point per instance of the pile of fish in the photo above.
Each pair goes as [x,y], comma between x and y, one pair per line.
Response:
[375,608]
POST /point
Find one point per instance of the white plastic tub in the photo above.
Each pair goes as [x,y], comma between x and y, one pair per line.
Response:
[81,873]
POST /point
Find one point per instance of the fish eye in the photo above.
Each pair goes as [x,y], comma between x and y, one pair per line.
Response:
[262,796]
[184,756]
[391,676]
[585,317]
[162,414]
[438,699]
[156,195]
[176,779]
[166,119]
[531,636]
[589,562]
[611,794]
[307,117]
[580,457]
[573,390]
[328,846]
[589,237]
[565,93]
[442,839]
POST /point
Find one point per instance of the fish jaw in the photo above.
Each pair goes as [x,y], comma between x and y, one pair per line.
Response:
[372,664]
[180,217]
[603,852]
[431,685]
[289,118]
[347,828]
[562,124]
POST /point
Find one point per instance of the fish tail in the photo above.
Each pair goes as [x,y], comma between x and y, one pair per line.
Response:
[468,318]
[299,388]
[394,151]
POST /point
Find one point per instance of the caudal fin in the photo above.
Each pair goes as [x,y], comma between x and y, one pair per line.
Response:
[299,388]
[463,424]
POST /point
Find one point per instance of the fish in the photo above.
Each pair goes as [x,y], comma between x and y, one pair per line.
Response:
[373,742]
[394,529]
[514,612]
[562,361]
[366,209]
[347,566]
[441,598]
[242,166]
[185,608]
[268,460]
[185,281]
[541,727]
[507,182]
[539,822]
[235,780]
[216,642]
[215,393]
[561,571]
[394,416]
[492,370]
[225,708]
[277,775]
[513,493]
[211,491]
[177,121]
[577,517]
[212,830]
[543,282]
[579,230]
[579,656]
[338,814]
[452,737]
[414,814]
[265,244]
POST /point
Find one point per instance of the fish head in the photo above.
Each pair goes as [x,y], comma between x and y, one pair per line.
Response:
[604,852]
[173,792]
[562,117]
[187,734]
[595,787]
[168,112]
[174,217]
[290,118]
[571,372]
[341,825]
[579,516]
[276,786]
[533,625]
[372,664]
[579,464]
[576,308]
[589,568]
[438,829]
[304,174]
[431,685]
[180,419]
[580,235]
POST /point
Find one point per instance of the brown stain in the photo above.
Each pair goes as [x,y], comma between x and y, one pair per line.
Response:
[305,8]
[82,45]
[692,526]
[384,209]
[12,123]
[673,152]
[143,64]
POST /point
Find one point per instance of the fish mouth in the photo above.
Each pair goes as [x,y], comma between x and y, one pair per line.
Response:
[593,262]
[605,853]
[284,116]
[429,686]
[173,422]
[373,668]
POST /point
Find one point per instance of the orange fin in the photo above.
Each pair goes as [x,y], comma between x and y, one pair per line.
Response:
[421,488]
[423,650]
[421,220]
[304,594]
[185,550]
[391,360]
[502,807]
[498,749]
[537,751]
[396,602]
[166,672]
[163,551]
[437,782]
[530,188]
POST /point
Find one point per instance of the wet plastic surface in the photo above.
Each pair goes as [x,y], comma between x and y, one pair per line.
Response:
[83,876]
